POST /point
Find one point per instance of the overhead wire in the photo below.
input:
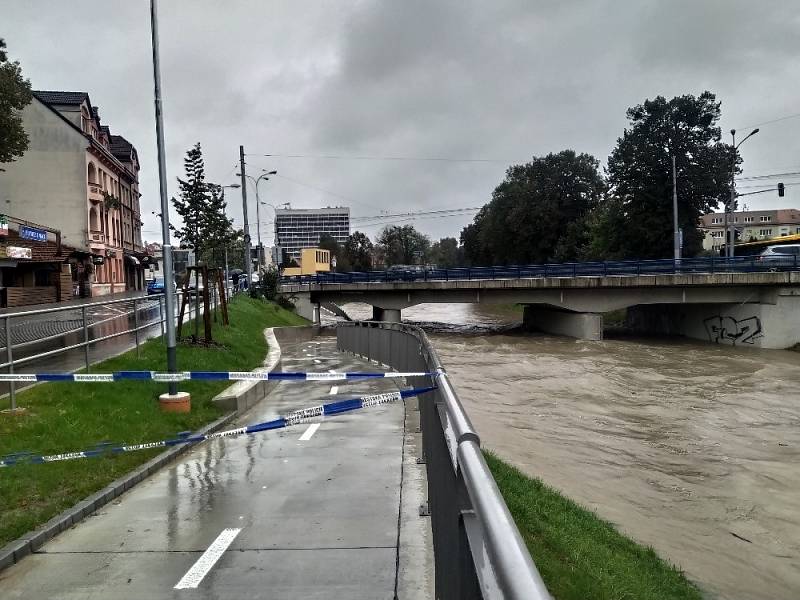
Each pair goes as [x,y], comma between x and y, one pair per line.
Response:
[389,158]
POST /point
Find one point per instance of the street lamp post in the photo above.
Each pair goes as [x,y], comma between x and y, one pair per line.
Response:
[256,180]
[729,235]
[169,278]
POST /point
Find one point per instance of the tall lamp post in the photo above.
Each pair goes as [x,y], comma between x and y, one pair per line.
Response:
[256,180]
[729,237]
[169,277]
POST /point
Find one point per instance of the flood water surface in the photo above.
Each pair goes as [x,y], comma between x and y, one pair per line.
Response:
[689,447]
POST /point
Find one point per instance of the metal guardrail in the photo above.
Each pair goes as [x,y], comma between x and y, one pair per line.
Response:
[478,550]
[737,264]
[139,303]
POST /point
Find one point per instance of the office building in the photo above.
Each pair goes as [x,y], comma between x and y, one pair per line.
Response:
[299,228]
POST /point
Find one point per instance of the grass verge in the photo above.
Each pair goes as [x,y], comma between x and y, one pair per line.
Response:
[579,555]
[64,417]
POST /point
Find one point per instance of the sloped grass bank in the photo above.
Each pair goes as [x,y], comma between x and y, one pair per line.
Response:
[65,417]
[579,555]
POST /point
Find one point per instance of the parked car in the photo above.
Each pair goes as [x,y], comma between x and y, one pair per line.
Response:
[781,255]
[156,286]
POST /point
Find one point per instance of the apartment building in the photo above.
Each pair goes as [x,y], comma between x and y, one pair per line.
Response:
[299,228]
[751,225]
[80,178]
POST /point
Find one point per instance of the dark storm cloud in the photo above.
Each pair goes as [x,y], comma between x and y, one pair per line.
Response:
[445,78]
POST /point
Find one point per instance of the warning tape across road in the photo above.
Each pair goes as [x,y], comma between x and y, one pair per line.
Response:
[207,375]
[294,418]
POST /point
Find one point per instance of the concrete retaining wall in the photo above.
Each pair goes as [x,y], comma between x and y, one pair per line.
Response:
[750,325]
[244,394]
[584,326]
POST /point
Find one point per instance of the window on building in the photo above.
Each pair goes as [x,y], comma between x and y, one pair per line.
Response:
[716,220]
[765,218]
[748,219]
[765,232]
[717,234]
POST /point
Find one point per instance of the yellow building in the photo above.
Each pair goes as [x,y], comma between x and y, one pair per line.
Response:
[312,261]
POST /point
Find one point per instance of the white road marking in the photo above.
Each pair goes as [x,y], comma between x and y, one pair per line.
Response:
[334,390]
[312,429]
[209,558]
[318,361]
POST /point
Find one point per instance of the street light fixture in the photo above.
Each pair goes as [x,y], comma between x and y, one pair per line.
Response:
[256,180]
[729,236]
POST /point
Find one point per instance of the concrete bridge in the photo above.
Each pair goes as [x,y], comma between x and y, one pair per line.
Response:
[739,302]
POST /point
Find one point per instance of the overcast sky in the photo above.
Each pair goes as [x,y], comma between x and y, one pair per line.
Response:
[457,79]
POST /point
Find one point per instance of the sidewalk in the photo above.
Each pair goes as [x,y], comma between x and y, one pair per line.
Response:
[76,302]
[327,509]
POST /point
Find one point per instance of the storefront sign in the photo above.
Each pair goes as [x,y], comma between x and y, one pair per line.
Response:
[98,260]
[33,234]
[3,225]
[17,252]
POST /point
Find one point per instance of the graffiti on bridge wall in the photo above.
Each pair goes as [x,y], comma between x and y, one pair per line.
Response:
[723,329]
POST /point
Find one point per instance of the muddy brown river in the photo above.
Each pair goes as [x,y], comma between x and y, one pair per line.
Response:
[689,447]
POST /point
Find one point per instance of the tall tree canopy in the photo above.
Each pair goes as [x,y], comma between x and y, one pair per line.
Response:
[640,176]
[535,214]
[15,94]
[327,242]
[201,207]
[402,245]
[446,253]
[358,249]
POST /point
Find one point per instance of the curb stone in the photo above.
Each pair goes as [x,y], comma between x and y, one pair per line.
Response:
[14,551]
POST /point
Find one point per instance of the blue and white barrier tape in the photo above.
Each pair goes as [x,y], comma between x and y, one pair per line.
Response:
[293,418]
[207,375]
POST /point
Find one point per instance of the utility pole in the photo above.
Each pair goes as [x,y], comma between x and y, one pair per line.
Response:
[169,276]
[247,262]
[729,207]
[676,234]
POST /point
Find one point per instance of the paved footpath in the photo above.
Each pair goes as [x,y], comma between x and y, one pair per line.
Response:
[325,509]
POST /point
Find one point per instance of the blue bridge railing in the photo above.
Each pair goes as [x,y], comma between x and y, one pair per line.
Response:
[711,264]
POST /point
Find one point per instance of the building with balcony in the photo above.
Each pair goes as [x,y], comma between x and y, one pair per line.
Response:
[299,228]
[750,226]
[80,178]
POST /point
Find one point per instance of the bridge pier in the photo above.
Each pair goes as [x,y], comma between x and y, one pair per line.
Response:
[388,315]
[581,325]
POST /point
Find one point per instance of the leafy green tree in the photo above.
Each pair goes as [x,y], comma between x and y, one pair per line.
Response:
[201,207]
[640,176]
[530,216]
[446,253]
[327,242]
[402,245]
[15,94]
[358,249]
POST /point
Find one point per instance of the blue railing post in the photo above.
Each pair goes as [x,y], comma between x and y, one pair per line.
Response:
[574,269]
[712,264]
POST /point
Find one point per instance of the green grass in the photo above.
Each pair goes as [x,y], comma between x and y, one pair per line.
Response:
[62,417]
[579,555]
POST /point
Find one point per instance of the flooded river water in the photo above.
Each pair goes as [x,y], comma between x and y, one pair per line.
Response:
[689,447]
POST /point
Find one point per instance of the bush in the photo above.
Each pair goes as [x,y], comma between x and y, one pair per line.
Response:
[285,303]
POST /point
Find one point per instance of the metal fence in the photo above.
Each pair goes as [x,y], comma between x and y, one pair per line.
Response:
[711,264]
[74,326]
[478,550]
